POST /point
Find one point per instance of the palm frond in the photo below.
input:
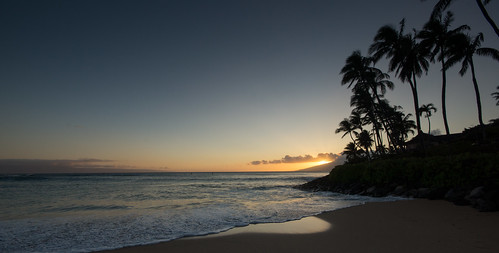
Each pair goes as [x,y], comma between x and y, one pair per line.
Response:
[439,7]
[486,51]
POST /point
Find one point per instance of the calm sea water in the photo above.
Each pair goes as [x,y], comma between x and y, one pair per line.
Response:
[89,212]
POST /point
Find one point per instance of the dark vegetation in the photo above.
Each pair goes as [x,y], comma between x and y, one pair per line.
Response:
[463,168]
[460,170]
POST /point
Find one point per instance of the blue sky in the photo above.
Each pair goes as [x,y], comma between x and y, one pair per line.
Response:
[202,85]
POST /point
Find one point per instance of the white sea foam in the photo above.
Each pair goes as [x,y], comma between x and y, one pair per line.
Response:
[82,213]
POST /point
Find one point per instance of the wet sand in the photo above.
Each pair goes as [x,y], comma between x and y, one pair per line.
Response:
[401,226]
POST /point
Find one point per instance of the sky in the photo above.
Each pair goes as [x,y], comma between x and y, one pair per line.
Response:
[205,85]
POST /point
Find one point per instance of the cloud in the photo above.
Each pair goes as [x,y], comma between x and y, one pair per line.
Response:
[10,166]
[299,159]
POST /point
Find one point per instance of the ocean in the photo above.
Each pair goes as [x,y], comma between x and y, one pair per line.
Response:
[90,212]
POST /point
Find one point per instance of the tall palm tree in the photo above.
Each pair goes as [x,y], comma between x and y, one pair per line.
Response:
[438,36]
[408,58]
[442,5]
[496,96]
[427,110]
[347,127]
[358,73]
[464,52]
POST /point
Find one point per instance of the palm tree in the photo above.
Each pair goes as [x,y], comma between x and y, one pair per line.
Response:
[356,119]
[405,126]
[427,109]
[358,72]
[363,104]
[352,152]
[347,127]
[365,141]
[402,125]
[441,5]
[496,96]
[465,51]
[407,58]
[436,34]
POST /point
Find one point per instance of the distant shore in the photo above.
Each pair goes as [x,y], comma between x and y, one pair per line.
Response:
[400,226]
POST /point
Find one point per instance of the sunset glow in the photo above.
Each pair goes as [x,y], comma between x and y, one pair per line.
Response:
[322,162]
[161,85]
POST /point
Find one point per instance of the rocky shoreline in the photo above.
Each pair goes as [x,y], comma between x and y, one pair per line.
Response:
[485,199]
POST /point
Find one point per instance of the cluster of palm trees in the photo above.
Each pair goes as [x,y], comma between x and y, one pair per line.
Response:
[372,115]
[373,120]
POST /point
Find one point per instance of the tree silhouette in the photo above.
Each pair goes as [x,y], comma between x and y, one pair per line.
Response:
[351,152]
[402,125]
[464,52]
[427,110]
[496,95]
[442,5]
[347,127]
[438,36]
[365,141]
[407,58]
[358,73]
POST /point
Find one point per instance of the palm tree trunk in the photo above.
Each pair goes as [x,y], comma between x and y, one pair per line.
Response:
[414,90]
[375,124]
[429,125]
[487,17]
[444,110]
[477,93]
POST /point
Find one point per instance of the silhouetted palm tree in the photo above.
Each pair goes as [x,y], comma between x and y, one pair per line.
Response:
[352,152]
[407,58]
[436,34]
[402,125]
[358,72]
[365,141]
[405,126]
[496,95]
[441,5]
[347,127]
[356,120]
[427,110]
[464,52]
[363,104]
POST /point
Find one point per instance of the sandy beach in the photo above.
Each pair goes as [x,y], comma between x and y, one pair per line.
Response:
[401,226]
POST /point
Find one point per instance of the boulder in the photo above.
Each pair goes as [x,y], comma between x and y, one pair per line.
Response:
[456,196]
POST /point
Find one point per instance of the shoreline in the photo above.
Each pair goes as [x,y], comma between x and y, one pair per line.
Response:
[400,226]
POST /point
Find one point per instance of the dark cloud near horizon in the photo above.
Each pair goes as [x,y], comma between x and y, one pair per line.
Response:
[9,166]
[299,159]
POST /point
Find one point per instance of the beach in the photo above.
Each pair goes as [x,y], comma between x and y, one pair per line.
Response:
[399,226]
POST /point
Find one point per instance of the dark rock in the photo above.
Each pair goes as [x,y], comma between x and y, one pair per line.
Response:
[456,196]
[423,192]
[436,193]
[370,190]
[319,184]
[382,191]
[412,193]
[399,191]
[356,189]
[485,206]
[489,202]
[476,193]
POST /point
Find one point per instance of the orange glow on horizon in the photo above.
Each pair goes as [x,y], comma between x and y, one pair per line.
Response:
[322,162]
